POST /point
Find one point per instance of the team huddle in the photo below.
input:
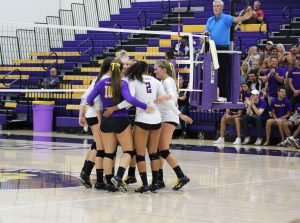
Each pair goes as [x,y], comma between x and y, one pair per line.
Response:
[121,84]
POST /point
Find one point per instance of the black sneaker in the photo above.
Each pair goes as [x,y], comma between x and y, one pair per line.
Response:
[161,184]
[85,180]
[143,189]
[111,188]
[130,180]
[100,186]
[118,182]
[154,188]
[181,182]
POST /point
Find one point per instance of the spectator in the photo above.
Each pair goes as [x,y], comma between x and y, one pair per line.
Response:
[289,59]
[218,27]
[280,110]
[256,69]
[233,117]
[267,51]
[281,49]
[275,78]
[52,81]
[267,62]
[171,58]
[256,114]
[258,14]
[182,48]
[183,103]
[292,123]
[244,72]
[252,57]
[254,82]
[294,81]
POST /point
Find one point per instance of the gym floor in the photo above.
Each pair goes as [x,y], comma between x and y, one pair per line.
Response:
[39,183]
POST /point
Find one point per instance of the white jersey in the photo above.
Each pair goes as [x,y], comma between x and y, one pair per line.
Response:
[170,89]
[147,91]
[91,111]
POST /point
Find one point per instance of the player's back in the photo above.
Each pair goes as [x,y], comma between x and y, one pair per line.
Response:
[147,91]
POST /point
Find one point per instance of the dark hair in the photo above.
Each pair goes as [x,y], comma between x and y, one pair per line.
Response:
[298,57]
[273,48]
[185,37]
[170,54]
[280,88]
[116,79]
[136,70]
[252,72]
[105,67]
[274,58]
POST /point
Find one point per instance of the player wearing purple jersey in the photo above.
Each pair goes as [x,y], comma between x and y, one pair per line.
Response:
[113,90]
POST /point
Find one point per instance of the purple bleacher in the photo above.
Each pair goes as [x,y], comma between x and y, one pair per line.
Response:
[150,16]
[66,121]
[98,36]
[123,23]
[97,43]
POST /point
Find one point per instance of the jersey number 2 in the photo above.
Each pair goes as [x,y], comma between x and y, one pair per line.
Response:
[148,87]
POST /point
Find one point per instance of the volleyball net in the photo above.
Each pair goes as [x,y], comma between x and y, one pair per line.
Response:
[28,52]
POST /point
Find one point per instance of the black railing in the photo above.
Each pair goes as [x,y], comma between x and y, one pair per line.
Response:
[189,6]
[48,57]
[240,45]
[261,28]
[118,26]
[11,83]
[92,48]
[288,16]
[166,9]
[142,19]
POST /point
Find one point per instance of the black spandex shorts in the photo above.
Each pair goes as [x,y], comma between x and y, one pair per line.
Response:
[172,123]
[114,124]
[148,127]
[92,121]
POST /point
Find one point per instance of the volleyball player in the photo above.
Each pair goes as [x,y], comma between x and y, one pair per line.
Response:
[147,126]
[92,118]
[112,90]
[166,73]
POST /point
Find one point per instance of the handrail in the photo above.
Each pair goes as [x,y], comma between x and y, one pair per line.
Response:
[142,19]
[189,6]
[20,78]
[52,65]
[240,43]
[289,16]
[260,28]
[165,9]
[92,48]
[118,34]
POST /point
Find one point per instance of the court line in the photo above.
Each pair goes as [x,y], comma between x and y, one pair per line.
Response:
[243,183]
[61,202]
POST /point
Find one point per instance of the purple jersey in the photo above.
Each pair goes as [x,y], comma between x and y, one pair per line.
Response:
[281,108]
[262,104]
[273,84]
[295,75]
[245,95]
[103,88]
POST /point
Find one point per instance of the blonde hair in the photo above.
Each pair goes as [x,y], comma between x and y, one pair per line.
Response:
[164,64]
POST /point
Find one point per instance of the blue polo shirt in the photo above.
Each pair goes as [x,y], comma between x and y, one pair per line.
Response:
[220,29]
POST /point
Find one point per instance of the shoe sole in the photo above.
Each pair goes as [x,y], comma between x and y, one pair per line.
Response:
[83,182]
[120,187]
[185,183]
[294,144]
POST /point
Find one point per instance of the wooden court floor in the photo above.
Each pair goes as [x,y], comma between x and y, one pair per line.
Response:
[39,183]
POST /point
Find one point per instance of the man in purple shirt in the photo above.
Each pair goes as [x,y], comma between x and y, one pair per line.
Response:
[275,77]
[294,81]
[280,108]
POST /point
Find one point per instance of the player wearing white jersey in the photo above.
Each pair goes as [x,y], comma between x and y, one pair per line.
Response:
[166,73]
[147,125]
[92,118]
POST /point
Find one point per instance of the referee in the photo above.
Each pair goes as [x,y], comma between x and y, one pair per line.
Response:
[218,27]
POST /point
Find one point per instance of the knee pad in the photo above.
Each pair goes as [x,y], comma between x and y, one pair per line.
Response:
[131,153]
[140,158]
[110,155]
[154,156]
[93,146]
[164,153]
[100,153]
